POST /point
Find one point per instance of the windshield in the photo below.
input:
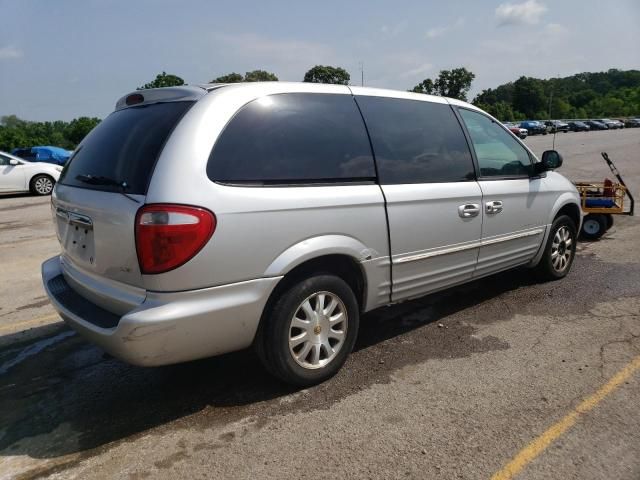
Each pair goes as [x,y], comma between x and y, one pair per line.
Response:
[123,148]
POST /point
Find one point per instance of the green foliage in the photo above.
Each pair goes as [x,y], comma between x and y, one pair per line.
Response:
[253,76]
[327,74]
[260,76]
[163,79]
[502,110]
[15,132]
[78,128]
[450,83]
[426,86]
[229,78]
[614,93]
[529,97]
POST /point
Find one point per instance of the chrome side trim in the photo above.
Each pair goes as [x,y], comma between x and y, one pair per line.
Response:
[443,251]
[513,236]
[468,246]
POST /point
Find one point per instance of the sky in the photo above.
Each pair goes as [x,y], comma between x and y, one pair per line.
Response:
[68,58]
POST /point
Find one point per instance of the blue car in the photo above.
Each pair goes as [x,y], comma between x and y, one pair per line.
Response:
[534,127]
[55,155]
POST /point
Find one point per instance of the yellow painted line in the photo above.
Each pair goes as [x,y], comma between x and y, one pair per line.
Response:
[540,444]
[27,323]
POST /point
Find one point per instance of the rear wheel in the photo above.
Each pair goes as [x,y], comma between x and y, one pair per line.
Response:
[593,226]
[310,330]
[559,251]
[41,185]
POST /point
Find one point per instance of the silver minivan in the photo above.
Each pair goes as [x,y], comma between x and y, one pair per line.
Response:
[196,221]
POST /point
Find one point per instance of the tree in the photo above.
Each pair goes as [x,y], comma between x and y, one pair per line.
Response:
[529,97]
[450,83]
[327,74]
[501,110]
[163,79]
[15,132]
[253,76]
[229,78]
[260,76]
[426,86]
[79,128]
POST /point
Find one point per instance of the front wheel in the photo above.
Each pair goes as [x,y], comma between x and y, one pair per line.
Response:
[41,185]
[308,333]
[559,251]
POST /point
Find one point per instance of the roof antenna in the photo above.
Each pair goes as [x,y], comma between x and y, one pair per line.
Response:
[555,127]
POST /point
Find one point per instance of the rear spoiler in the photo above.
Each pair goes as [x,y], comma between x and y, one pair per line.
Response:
[156,95]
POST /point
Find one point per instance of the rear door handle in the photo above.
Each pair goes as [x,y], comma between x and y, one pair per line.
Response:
[494,207]
[469,210]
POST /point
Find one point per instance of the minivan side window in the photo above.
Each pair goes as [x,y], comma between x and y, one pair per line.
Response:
[416,141]
[294,138]
[499,154]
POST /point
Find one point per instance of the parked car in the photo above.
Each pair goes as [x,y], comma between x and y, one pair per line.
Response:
[55,155]
[534,127]
[632,123]
[18,175]
[596,125]
[620,123]
[611,125]
[579,127]
[517,131]
[269,214]
[554,126]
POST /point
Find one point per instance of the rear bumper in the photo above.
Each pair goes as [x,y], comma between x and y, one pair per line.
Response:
[166,328]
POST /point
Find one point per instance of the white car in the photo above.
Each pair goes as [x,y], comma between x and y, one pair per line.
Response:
[18,175]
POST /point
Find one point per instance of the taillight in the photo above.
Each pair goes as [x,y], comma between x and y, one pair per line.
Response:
[168,236]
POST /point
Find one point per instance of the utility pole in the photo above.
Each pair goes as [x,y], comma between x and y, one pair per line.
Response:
[361,65]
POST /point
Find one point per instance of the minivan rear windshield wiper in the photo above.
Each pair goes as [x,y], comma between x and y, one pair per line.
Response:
[102,180]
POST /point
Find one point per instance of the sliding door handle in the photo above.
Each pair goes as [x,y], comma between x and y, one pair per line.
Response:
[469,210]
[494,207]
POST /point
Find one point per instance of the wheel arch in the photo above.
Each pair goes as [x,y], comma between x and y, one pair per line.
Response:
[567,204]
[573,211]
[40,174]
[339,255]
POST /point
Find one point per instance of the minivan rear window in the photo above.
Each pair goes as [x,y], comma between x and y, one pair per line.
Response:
[124,147]
[294,138]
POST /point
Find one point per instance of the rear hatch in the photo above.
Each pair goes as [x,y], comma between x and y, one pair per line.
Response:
[101,189]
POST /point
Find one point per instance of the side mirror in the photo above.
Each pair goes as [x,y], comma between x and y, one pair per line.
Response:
[550,161]
[14,162]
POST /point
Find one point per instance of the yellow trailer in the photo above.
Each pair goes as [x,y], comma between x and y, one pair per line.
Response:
[601,200]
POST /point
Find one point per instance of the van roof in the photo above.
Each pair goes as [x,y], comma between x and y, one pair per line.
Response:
[195,92]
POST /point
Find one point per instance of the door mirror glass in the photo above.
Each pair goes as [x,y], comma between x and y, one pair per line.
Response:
[551,160]
[14,162]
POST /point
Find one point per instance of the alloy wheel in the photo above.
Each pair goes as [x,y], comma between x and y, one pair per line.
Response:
[561,249]
[43,185]
[318,330]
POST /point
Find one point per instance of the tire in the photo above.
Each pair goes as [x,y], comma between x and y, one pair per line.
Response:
[593,226]
[316,357]
[559,251]
[41,185]
[609,218]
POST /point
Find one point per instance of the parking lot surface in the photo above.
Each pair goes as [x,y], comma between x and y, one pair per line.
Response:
[502,377]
